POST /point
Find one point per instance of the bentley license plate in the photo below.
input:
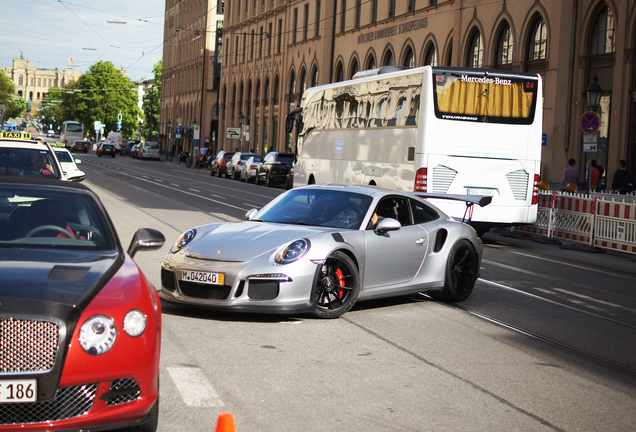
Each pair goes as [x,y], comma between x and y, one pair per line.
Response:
[202,277]
[24,390]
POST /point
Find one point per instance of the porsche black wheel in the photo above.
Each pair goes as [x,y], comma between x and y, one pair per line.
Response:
[462,270]
[336,287]
[268,180]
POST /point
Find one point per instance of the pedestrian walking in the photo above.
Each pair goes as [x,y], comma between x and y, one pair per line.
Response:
[570,175]
[622,181]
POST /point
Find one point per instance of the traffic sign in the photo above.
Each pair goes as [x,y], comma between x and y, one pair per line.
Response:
[177,132]
[590,122]
[233,133]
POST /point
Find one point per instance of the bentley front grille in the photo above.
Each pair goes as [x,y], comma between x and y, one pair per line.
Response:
[69,402]
[27,345]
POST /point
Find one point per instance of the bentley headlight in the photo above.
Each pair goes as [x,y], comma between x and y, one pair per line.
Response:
[98,334]
[292,251]
[135,323]
[184,240]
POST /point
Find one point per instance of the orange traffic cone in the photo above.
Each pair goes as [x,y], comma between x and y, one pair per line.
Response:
[225,423]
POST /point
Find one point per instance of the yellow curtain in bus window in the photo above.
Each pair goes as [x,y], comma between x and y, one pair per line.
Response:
[481,99]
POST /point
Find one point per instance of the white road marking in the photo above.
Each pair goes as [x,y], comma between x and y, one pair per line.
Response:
[194,190]
[174,184]
[194,387]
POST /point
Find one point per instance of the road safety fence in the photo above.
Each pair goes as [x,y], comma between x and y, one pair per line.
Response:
[602,220]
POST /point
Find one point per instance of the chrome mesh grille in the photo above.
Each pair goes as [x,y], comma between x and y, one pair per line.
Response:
[128,388]
[69,402]
[27,345]
[443,176]
[518,181]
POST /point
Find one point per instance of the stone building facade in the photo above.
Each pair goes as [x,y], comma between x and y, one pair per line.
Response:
[274,49]
[33,83]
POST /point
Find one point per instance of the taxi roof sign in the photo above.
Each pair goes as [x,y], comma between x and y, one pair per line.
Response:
[15,135]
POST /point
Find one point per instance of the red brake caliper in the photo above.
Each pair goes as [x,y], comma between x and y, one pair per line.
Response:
[341,283]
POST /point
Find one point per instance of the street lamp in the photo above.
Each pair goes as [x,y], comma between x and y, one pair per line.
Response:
[594,93]
[241,119]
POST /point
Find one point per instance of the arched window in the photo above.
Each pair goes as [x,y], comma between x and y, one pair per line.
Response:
[388,59]
[603,33]
[505,46]
[276,90]
[431,56]
[292,87]
[266,93]
[339,74]
[475,51]
[20,80]
[354,68]
[409,58]
[370,63]
[257,94]
[303,81]
[538,41]
[314,77]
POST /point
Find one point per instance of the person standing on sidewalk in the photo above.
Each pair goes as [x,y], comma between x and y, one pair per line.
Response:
[622,181]
[570,175]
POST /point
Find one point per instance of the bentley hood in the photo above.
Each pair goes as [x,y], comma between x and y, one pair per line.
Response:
[246,240]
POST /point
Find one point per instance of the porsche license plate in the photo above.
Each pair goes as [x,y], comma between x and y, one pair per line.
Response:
[24,390]
[203,277]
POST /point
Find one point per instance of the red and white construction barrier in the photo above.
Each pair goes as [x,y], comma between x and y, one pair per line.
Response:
[596,220]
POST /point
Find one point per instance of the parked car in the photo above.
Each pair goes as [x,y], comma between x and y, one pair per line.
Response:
[148,150]
[106,149]
[79,146]
[219,164]
[233,167]
[318,249]
[69,164]
[128,145]
[275,168]
[134,150]
[249,170]
[75,308]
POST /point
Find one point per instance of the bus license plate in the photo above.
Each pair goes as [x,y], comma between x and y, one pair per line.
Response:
[18,390]
[482,192]
[202,277]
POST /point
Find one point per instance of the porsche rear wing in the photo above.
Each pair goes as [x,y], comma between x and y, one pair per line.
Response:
[470,201]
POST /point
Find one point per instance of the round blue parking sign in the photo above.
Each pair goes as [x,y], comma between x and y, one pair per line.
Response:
[590,122]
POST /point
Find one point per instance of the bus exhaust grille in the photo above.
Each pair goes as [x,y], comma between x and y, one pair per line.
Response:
[443,176]
[518,181]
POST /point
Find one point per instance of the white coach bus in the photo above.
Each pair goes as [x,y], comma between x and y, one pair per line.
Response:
[70,132]
[429,129]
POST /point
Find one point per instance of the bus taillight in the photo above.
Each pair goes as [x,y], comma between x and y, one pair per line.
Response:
[421,180]
[535,190]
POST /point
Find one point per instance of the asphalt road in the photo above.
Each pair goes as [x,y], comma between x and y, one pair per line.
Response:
[545,342]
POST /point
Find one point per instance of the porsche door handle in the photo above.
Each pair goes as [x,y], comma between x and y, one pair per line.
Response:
[420,242]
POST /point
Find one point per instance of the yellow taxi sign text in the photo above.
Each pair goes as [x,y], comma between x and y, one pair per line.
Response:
[15,135]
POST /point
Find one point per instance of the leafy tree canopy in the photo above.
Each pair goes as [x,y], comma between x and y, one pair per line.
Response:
[101,94]
[15,105]
[152,105]
[50,112]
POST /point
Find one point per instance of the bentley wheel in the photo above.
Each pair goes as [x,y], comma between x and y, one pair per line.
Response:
[462,270]
[336,287]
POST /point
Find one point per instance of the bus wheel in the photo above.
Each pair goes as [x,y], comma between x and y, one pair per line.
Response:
[336,286]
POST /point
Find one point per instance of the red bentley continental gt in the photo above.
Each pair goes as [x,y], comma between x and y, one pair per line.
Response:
[80,325]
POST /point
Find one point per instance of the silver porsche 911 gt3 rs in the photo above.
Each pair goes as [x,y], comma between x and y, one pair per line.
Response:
[320,248]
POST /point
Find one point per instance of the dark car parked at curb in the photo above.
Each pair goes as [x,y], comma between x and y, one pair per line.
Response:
[106,149]
[275,168]
[219,164]
[128,145]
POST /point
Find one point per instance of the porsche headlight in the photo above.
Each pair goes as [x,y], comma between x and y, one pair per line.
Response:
[135,323]
[292,251]
[183,241]
[98,334]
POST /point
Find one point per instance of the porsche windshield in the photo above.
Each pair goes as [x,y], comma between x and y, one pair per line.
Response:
[44,218]
[329,208]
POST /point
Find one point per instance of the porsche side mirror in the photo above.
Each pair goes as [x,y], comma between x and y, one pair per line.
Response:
[386,225]
[146,239]
[250,214]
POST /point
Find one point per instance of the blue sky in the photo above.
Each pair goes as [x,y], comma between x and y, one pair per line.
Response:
[50,32]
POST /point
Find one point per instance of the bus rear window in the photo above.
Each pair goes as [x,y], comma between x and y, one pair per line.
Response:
[484,98]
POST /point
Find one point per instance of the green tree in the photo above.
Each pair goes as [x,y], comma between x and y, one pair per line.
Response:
[15,105]
[101,94]
[50,111]
[152,105]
